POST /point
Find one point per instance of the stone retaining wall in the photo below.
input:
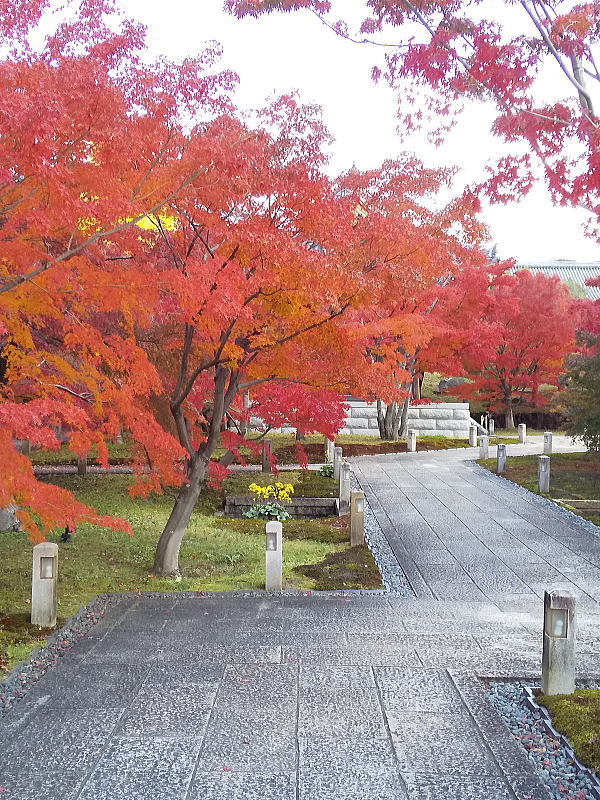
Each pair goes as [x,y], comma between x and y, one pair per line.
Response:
[437,419]
[235,506]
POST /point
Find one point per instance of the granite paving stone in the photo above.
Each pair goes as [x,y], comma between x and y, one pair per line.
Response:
[337,678]
[416,690]
[352,656]
[326,753]
[237,785]
[136,769]
[350,784]
[441,744]
[169,710]
[253,718]
[248,750]
[69,740]
[19,785]
[442,787]
[175,672]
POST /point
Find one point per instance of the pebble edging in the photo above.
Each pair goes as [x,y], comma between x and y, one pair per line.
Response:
[563,775]
[392,574]
[25,675]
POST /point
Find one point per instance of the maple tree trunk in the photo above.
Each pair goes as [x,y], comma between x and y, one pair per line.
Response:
[388,420]
[404,418]
[416,385]
[509,420]
[166,559]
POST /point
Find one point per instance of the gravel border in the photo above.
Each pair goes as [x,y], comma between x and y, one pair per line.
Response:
[590,527]
[392,574]
[563,775]
[26,674]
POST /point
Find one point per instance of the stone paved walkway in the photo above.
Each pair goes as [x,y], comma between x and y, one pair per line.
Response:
[320,697]
[463,534]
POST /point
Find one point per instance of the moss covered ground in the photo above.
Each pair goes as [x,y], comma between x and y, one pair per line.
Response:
[577,716]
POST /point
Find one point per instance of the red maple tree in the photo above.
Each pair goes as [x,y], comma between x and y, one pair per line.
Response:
[277,277]
[529,329]
[440,53]
[156,245]
[92,142]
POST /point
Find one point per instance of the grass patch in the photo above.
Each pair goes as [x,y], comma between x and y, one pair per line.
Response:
[513,432]
[217,554]
[18,637]
[577,716]
[355,445]
[573,476]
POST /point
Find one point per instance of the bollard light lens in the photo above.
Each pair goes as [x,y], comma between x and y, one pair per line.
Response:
[557,623]
[360,506]
[271,540]
[46,567]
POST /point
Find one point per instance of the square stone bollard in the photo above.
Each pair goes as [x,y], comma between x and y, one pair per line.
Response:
[337,463]
[411,441]
[491,426]
[543,474]
[329,446]
[344,493]
[43,584]
[501,459]
[267,451]
[484,446]
[274,557]
[472,436]
[82,465]
[357,518]
[522,433]
[548,443]
[558,649]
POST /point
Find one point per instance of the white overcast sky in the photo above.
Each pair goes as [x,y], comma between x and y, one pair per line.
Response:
[279,52]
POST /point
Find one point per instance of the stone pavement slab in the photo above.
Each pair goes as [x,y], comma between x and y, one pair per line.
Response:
[398,715]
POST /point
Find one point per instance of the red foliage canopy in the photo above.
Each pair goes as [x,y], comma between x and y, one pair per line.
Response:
[443,52]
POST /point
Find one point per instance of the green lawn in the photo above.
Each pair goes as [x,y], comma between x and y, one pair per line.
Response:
[217,553]
[573,476]
[284,446]
[513,432]
[577,716]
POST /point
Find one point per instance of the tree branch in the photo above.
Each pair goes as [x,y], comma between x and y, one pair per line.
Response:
[72,251]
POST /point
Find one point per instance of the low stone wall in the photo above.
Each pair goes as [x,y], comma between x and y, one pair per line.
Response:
[299,507]
[435,419]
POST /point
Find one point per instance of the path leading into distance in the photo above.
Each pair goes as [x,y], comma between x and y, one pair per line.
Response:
[320,696]
[461,533]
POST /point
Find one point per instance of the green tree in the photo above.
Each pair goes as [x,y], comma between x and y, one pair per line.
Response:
[582,400]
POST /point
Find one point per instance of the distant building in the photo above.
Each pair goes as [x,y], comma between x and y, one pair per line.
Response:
[573,273]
